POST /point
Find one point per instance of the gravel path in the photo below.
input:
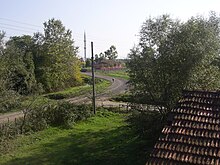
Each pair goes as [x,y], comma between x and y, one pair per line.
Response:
[10,116]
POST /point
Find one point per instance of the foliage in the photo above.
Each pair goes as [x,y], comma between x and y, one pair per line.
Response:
[20,65]
[55,114]
[173,56]
[9,99]
[125,97]
[57,65]
[2,35]
[99,57]
[79,90]
[115,73]
[38,118]
[147,123]
[105,138]
[88,62]
[111,53]
[45,62]
[148,126]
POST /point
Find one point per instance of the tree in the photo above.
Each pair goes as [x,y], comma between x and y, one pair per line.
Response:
[57,65]
[2,35]
[99,57]
[2,62]
[8,97]
[20,65]
[111,53]
[88,62]
[173,56]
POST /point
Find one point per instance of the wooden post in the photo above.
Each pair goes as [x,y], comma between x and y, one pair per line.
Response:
[93,80]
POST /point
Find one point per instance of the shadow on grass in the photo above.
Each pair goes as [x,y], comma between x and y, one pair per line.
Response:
[117,146]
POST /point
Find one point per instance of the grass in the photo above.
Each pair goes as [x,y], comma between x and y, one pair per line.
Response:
[115,73]
[79,90]
[39,100]
[103,139]
[125,97]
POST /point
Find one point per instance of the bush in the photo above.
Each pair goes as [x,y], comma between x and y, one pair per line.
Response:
[65,114]
[148,124]
[62,114]
[9,100]
[125,97]
[57,114]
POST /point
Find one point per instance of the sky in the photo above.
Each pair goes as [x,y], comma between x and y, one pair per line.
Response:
[106,22]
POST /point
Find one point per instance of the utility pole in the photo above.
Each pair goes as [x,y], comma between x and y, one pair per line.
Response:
[93,81]
[85,46]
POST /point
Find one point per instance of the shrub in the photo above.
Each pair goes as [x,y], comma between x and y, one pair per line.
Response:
[57,114]
[37,118]
[9,100]
[148,124]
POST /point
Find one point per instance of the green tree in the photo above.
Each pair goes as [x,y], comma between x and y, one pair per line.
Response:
[99,57]
[2,35]
[88,62]
[2,62]
[111,53]
[8,97]
[57,65]
[19,57]
[173,56]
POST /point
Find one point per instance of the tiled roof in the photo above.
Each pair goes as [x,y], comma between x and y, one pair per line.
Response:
[193,135]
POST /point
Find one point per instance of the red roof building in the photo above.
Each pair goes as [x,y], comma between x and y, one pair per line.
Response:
[192,136]
[108,65]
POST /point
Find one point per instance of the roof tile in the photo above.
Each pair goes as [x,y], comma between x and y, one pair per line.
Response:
[194,134]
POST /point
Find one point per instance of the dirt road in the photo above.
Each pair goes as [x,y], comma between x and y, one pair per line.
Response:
[118,86]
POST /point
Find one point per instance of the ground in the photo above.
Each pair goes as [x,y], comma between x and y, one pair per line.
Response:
[103,139]
[117,87]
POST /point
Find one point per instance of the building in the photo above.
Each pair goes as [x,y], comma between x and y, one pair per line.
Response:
[108,65]
[192,135]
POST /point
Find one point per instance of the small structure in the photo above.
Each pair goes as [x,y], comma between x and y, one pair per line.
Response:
[192,136]
[108,65]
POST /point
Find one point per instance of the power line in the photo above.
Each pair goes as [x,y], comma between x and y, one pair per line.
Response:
[10,20]
[75,35]
[18,26]
[10,28]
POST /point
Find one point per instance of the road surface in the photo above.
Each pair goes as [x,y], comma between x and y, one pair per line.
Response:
[118,86]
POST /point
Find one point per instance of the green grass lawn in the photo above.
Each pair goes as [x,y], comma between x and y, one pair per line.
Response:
[79,90]
[105,139]
[115,73]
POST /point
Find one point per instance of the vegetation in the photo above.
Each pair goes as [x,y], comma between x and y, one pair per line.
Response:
[42,63]
[99,140]
[172,56]
[37,118]
[115,73]
[57,65]
[45,62]
[125,97]
[79,90]
[110,54]
[14,102]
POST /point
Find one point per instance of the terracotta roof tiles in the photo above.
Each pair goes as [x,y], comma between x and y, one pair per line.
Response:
[193,137]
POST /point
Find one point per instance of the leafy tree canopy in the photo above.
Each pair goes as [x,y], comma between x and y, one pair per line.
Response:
[56,57]
[111,53]
[20,65]
[172,56]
